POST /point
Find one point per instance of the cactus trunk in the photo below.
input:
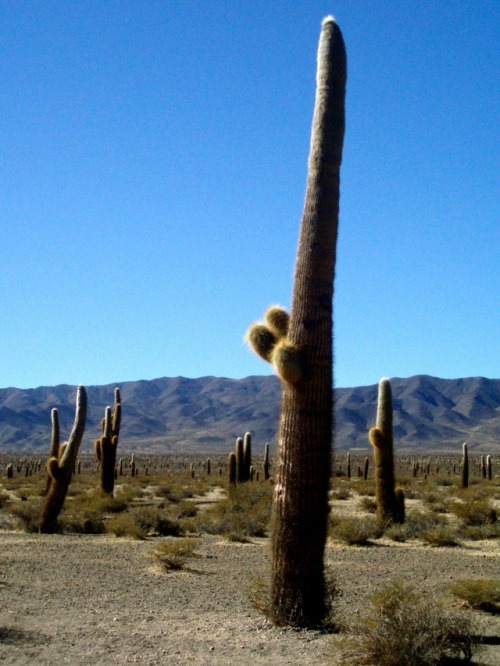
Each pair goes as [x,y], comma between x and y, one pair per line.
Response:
[300,505]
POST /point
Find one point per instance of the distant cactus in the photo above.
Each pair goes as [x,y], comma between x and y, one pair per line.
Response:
[61,463]
[105,447]
[232,467]
[382,441]
[483,467]
[132,465]
[489,471]
[208,466]
[247,455]
[365,468]
[465,467]
[348,464]
[240,461]
[9,471]
[266,462]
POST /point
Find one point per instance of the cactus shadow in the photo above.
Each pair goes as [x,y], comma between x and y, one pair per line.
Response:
[14,635]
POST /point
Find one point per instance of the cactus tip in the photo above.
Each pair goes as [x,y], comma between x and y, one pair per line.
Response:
[328,19]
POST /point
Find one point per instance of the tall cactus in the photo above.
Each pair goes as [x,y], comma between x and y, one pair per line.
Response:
[300,349]
[106,445]
[61,463]
[381,439]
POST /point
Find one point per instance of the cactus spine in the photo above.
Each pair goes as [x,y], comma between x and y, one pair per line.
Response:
[105,447]
[61,463]
[383,459]
[300,349]
[465,467]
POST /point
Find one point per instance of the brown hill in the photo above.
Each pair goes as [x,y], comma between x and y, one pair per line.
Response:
[208,413]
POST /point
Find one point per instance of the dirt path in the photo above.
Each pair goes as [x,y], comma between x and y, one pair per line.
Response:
[101,600]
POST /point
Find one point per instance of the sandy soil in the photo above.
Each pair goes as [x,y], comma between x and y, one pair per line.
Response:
[71,599]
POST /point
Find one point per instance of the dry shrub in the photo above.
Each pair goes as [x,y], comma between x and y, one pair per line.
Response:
[368,504]
[174,553]
[27,514]
[355,530]
[342,493]
[441,535]
[476,512]
[479,593]
[405,628]
[244,513]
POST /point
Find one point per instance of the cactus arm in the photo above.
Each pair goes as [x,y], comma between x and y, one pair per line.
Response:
[68,459]
[54,444]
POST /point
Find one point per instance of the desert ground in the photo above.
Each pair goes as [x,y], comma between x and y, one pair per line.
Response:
[98,599]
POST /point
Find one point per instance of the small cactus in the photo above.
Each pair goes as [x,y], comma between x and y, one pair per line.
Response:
[348,464]
[9,471]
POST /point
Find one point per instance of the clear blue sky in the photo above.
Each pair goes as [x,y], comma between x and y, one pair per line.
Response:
[152,176]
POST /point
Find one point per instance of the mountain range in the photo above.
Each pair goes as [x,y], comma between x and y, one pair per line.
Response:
[205,415]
